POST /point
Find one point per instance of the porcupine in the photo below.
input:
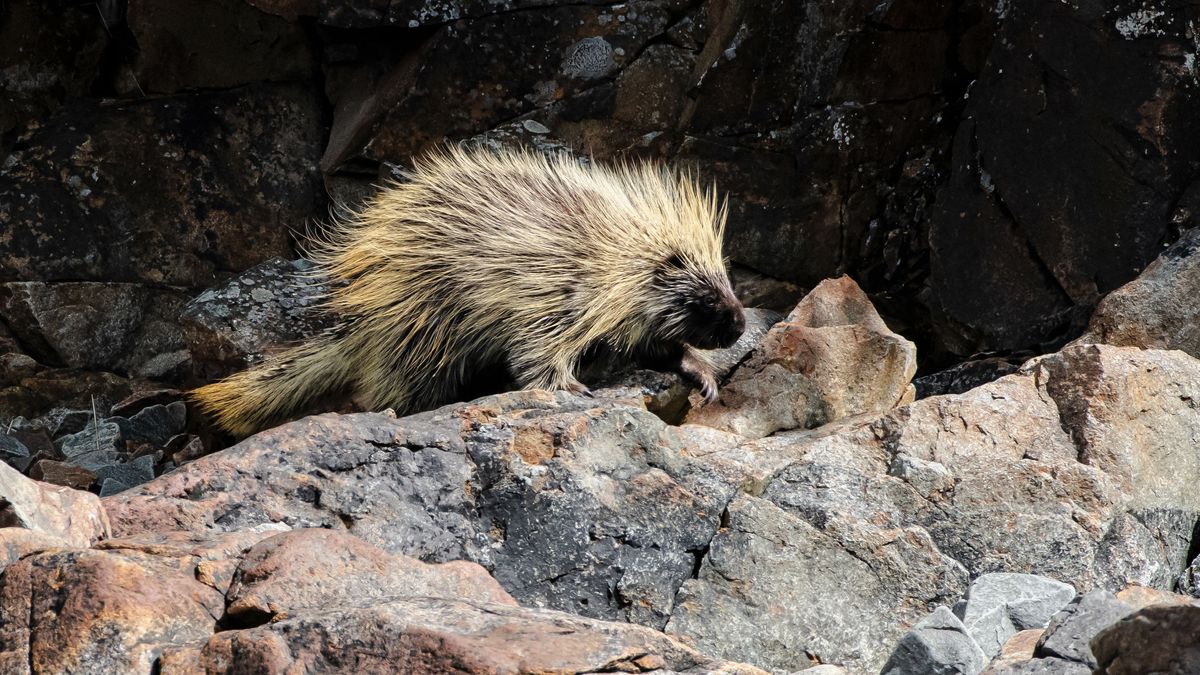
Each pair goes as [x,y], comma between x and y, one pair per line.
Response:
[501,258]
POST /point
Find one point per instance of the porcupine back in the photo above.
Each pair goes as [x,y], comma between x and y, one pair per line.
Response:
[482,257]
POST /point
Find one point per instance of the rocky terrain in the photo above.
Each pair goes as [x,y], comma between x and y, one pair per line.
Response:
[960,434]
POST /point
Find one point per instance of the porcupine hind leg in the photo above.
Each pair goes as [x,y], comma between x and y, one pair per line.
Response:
[536,369]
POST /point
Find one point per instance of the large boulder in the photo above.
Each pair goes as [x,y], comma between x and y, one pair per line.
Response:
[831,542]
[832,357]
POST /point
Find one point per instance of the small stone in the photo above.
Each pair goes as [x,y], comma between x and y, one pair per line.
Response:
[535,127]
[10,447]
[62,421]
[1072,629]
[61,473]
[131,473]
[136,401]
[155,424]
[98,459]
[112,486]
[92,439]
[937,644]
[38,440]
[1000,604]
[192,448]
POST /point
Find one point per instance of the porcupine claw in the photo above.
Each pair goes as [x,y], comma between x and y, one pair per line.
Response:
[708,389]
[581,389]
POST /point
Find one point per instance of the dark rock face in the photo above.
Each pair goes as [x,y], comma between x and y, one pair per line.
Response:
[177,191]
[48,53]
[213,44]
[1067,167]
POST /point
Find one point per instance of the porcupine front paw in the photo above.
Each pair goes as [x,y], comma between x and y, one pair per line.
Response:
[700,369]
[708,389]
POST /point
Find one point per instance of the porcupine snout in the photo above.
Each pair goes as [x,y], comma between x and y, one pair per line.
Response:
[731,324]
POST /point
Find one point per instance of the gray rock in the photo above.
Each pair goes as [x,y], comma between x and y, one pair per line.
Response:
[93,438]
[154,424]
[96,460]
[11,448]
[1000,604]
[129,329]
[1162,639]
[63,421]
[1188,581]
[765,590]
[112,486]
[936,645]
[615,538]
[1071,630]
[134,472]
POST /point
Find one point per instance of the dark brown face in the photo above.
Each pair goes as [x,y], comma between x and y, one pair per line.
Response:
[715,319]
[699,309]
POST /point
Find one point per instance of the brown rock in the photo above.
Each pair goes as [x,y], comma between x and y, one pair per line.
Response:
[1017,649]
[42,392]
[437,635]
[1139,596]
[62,473]
[214,554]
[313,569]
[1163,639]
[75,516]
[99,611]
[832,357]
[1157,310]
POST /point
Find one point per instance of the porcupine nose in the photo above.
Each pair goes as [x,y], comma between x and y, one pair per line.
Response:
[733,325]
